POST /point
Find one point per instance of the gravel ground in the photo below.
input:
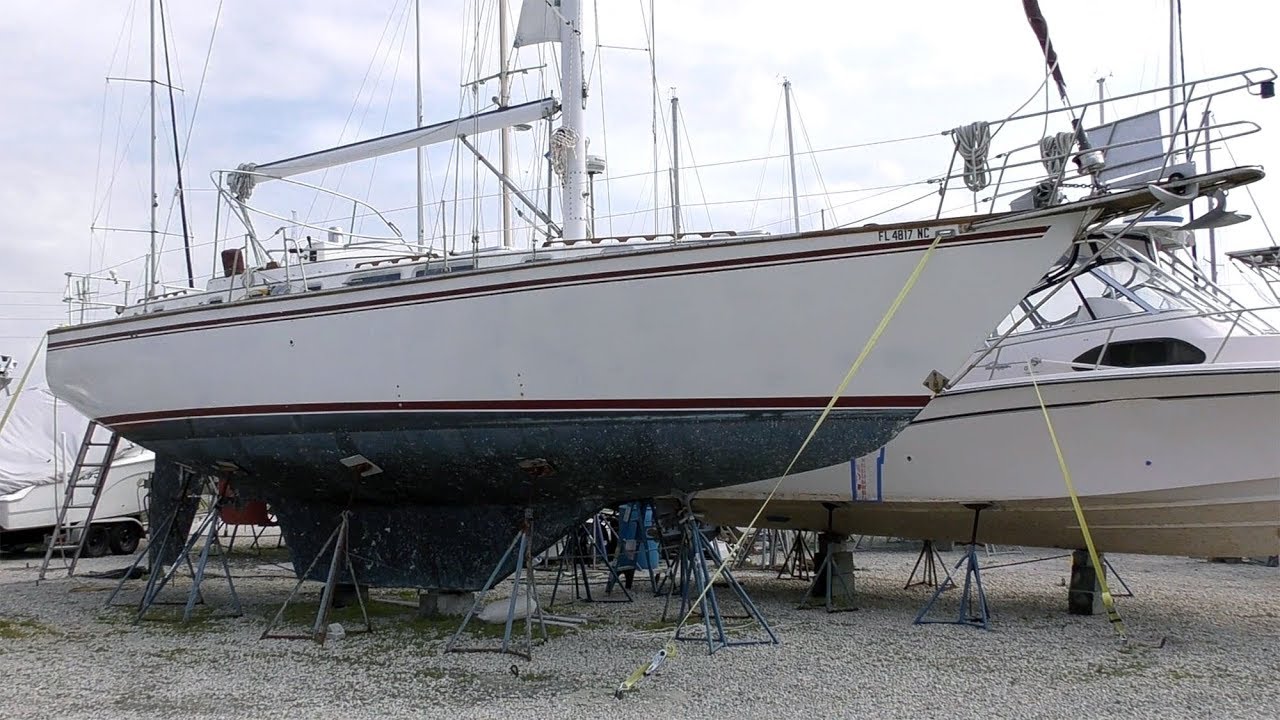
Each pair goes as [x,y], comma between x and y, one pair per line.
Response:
[62,654]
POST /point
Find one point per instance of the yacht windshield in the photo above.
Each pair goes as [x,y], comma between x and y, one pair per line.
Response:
[1122,281]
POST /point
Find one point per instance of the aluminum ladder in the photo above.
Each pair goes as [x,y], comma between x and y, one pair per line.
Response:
[93,464]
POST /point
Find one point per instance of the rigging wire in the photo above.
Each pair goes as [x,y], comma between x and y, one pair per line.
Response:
[102,125]
[688,141]
[650,32]
[768,146]
[177,155]
[862,220]
[204,73]
[804,131]
[604,129]
[377,84]
[386,113]
[354,104]
[878,189]
[191,120]
[107,195]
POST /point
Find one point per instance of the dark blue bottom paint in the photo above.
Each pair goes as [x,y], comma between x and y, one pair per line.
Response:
[452,491]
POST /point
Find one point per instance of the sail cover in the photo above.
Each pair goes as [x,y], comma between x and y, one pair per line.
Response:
[540,21]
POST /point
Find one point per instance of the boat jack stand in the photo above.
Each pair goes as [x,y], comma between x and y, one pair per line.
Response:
[339,540]
[696,587]
[156,571]
[798,559]
[208,531]
[968,615]
[579,551]
[521,548]
[927,563]
[829,572]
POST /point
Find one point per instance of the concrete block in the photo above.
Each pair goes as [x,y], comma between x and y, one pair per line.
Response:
[1084,594]
[436,604]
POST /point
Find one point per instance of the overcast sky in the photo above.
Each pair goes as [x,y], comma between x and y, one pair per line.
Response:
[289,77]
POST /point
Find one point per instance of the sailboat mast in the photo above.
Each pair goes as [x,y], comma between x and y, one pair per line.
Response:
[573,199]
[504,97]
[151,253]
[1173,73]
[675,167]
[417,58]
[791,157]
[653,106]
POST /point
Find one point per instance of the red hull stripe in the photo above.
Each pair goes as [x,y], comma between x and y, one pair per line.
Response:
[514,286]
[681,405]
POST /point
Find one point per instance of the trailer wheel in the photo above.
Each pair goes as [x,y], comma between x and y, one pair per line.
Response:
[124,538]
[97,544]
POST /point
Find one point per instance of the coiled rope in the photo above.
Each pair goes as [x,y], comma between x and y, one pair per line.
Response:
[563,142]
[973,141]
[1054,150]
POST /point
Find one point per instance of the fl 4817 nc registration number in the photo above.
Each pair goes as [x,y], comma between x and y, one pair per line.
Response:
[900,234]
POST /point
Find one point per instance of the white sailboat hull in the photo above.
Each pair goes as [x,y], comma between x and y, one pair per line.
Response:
[1169,461]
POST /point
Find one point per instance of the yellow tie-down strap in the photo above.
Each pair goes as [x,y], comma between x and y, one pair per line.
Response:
[733,553]
[1108,602]
[645,671]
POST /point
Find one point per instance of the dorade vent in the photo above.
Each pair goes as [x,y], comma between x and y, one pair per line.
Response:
[1153,352]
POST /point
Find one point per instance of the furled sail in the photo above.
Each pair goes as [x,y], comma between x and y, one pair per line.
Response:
[540,22]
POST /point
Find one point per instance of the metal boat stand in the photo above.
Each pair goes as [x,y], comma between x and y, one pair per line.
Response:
[339,541]
[579,552]
[828,573]
[189,498]
[769,540]
[696,588]
[1111,569]
[670,539]
[208,531]
[521,548]
[798,560]
[927,563]
[741,561]
[981,616]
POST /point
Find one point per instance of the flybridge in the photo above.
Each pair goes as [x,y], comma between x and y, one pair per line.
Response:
[248,175]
